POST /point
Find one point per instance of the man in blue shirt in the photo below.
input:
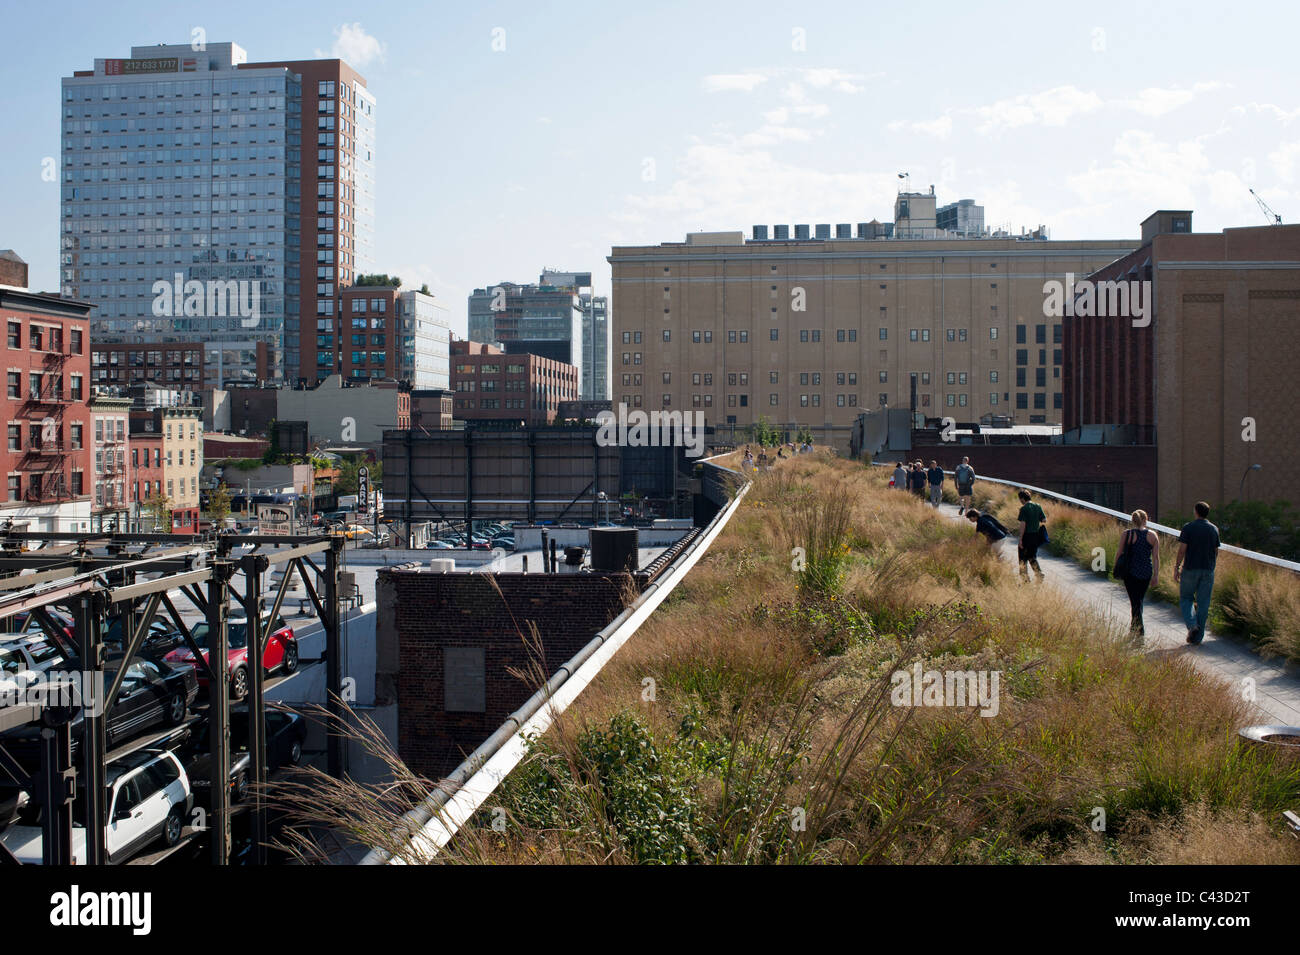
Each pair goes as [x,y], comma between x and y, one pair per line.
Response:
[1198,548]
[935,478]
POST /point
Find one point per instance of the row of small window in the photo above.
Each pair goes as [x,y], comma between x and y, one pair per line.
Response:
[494,404]
[41,389]
[1040,334]
[375,358]
[42,338]
[1022,357]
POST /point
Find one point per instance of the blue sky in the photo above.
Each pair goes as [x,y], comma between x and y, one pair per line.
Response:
[604,124]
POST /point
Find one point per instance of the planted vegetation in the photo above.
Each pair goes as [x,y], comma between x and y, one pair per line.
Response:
[752,719]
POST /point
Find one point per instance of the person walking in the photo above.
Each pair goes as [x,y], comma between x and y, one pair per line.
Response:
[1032,519]
[916,480]
[964,477]
[1198,549]
[900,477]
[988,525]
[1143,549]
[935,478]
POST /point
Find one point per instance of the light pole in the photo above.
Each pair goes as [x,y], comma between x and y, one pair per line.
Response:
[1241,491]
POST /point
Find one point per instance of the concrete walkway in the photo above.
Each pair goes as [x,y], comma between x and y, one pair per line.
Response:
[1277,682]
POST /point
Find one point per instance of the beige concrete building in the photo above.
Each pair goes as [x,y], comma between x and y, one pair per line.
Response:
[814,331]
[182,448]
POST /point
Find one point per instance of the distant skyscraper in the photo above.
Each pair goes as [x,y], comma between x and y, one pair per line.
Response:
[556,318]
[210,199]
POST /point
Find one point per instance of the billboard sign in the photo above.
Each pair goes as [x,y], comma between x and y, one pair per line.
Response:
[275,519]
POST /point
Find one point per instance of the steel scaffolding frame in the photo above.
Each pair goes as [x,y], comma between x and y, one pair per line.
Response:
[98,583]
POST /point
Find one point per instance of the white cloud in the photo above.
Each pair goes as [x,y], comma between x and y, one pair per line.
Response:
[1052,107]
[1286,160]
[838,80]
[733,82]
[354,45]
[1156,101]
[940,128]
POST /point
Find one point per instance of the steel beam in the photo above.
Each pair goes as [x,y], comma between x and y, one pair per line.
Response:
[253,566]
[219,712]
[94,743]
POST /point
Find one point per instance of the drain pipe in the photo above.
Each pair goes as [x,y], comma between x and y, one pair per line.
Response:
[436,821]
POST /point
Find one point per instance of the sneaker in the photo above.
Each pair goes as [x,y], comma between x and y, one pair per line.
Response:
[1192,637]
[1198,635]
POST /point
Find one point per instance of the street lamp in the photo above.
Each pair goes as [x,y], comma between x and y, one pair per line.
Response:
[1241,491]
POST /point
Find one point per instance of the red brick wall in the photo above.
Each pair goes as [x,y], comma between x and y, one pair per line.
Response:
[433,611]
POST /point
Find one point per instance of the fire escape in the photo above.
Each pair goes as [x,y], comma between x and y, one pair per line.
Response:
[44,458]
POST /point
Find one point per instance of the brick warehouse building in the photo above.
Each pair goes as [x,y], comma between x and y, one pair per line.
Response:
[48,450]
[1221,347]
[492,385]
[812,331]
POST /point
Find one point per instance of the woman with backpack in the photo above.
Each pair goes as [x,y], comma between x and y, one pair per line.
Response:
[1137,564]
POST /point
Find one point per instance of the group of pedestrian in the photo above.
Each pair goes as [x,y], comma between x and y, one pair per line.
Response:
[1137,562]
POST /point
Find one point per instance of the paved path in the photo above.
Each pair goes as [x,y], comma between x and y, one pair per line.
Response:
[1277,683]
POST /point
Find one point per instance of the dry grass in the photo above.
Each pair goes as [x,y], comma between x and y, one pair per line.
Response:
[768,734]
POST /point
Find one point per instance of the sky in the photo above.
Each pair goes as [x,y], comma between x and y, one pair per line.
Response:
[517,136]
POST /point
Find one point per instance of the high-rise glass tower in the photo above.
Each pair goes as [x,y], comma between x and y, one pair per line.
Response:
[206,198]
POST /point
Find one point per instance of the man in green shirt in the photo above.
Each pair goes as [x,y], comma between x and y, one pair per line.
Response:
[1031,519]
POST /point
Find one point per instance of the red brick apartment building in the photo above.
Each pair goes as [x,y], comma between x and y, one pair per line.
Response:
[1211,379]
[337,207]
[47,453]
[491,385]
[370,342]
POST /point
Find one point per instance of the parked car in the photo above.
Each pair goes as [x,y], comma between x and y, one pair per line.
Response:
[27,622]
[160,639]
[506,542]
[153,693]
[286,732]
[197,759]
[438,545]
[281,651]
[29,651]
[149,798]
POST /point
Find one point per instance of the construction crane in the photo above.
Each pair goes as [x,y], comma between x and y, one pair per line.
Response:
[1273,217]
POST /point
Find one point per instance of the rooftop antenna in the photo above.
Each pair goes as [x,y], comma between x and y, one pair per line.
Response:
[1273,217]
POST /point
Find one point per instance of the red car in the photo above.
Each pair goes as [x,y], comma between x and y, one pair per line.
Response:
[281,652]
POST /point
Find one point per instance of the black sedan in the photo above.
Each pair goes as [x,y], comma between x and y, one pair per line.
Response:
[153,693]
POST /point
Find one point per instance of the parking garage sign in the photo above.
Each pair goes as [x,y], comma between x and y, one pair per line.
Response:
[275,519]
[363,489]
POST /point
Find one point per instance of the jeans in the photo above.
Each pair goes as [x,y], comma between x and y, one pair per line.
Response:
[1195,585]
[936,494]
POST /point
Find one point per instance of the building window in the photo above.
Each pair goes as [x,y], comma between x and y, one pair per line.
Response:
[774,335]
[993,334]
[1022,355]
[913,335]
[15,487]
[1020,334]
[15,335]
[803,334]
[668,335]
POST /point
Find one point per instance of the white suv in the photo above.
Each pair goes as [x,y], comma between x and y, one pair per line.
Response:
[148,796]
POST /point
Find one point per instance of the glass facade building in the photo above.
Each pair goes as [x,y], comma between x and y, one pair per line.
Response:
[208,199]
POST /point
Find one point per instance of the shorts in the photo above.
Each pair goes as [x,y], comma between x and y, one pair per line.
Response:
[964,490]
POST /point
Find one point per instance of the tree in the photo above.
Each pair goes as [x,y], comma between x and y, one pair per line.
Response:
[219,506]
[158,511]
[424,289]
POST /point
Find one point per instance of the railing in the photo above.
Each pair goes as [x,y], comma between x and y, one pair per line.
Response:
[1290,565]
[434,823]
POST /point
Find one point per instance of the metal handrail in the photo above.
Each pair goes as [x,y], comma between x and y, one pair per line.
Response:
[1290,565]
[437,820]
